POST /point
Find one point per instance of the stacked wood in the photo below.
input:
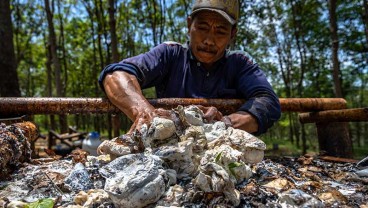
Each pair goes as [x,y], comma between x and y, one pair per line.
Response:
[15,147]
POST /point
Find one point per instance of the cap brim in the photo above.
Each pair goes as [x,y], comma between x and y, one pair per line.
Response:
[224,14]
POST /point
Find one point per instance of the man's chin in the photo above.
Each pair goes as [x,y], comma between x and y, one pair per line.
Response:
[206,58]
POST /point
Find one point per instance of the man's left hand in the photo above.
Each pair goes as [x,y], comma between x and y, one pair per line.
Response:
[244,121]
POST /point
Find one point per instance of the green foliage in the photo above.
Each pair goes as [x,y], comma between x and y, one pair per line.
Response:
[233,165]
[42,203]
[218,157]
[149,92]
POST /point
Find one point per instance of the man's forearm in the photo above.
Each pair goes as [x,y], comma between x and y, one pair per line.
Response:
[124,92]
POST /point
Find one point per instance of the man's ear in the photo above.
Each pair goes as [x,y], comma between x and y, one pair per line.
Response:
[189,23]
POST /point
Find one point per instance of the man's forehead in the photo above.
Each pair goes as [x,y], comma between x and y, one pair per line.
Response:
[206,16]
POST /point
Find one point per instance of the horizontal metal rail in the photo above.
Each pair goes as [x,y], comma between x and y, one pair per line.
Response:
[343,115]
[53,105]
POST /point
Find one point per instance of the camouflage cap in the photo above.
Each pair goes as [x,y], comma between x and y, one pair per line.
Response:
[227,8]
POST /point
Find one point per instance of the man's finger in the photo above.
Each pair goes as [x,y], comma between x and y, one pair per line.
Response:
[160,112]
[227,121]
[212,114]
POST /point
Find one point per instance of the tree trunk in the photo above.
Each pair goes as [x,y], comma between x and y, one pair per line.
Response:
[365,19]
[55,62]
[9,85]
[335,48]
[114,39]
[334,139]
[341,144]
[101,30]
[115,57]
[62,44]
[49,81]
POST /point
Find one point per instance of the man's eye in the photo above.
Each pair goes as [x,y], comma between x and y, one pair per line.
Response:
[222,32]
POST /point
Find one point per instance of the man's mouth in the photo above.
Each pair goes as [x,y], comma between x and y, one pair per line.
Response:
[207,50]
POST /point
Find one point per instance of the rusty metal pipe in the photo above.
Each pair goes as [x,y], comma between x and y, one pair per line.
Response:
[312,104]
[52,105]
[55,106]
[343,115]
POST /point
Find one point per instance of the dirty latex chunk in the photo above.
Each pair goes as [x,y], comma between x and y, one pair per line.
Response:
[79,179]
[298,198]
[93,198]
[194,115]
[231,160]
[215,131]
[161,128]
[214,178]
[252,147]
[178,158]
[135,180]
[172,197]
[123,145]
[216,156]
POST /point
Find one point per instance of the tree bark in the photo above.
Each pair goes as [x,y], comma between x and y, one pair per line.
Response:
[55,62]
[49,81]
[338,132]
[334,139]
[115,57]
[9,84]
[365,20]
[114,39]
[335,48]
[64,57]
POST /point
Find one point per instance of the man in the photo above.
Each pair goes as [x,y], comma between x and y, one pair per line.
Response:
[203,68]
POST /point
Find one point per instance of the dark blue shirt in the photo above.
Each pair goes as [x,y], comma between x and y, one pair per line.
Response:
[175,73]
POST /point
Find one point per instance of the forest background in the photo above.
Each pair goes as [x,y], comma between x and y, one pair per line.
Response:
[307,48]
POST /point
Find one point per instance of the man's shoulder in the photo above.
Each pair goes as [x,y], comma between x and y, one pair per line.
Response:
[240,54]
[174,48]
[172,43]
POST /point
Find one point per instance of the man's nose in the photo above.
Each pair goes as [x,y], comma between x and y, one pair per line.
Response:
[210,38]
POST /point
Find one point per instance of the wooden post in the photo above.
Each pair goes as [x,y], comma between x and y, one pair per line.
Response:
[334,139]
[51,141]
[333,133]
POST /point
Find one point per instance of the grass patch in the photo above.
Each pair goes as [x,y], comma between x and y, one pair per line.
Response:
[360,152]
[281,148]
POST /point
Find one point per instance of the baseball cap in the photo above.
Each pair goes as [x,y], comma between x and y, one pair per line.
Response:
[229,9]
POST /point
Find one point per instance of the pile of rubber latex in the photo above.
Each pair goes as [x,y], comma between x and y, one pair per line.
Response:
[183,161]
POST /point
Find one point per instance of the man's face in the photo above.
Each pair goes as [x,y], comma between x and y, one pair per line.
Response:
[210,34]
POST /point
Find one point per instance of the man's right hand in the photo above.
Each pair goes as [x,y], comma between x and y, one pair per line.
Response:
[146,118]
[124,91]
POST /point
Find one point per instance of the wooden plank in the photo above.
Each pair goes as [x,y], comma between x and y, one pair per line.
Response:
[53,136]
[337,159]
[344,115]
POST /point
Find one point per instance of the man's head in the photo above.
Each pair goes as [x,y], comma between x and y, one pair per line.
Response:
[211,27]
[229,9]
